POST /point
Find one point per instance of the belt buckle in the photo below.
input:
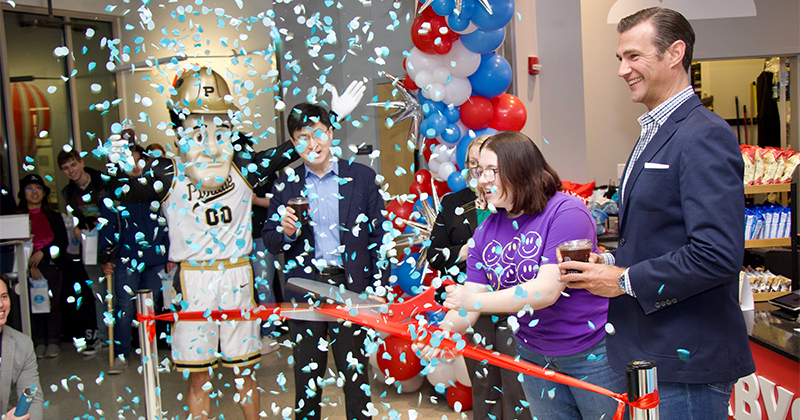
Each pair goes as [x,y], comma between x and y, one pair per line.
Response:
[330,271]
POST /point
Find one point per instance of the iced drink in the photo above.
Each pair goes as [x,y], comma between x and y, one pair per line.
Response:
[300,207]
[577,250]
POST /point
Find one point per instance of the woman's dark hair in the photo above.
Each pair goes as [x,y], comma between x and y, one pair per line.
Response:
[669,25]
[523,171]
[304,115]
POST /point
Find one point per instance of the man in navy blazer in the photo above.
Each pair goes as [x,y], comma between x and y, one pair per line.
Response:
[673,280]
[339,246]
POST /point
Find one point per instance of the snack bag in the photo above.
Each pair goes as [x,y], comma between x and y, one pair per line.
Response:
[770,157]
[759,171]
[791,165]
[748,155]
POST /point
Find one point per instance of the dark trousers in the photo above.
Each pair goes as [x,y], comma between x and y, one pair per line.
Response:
[47,327]
[496,393]
[310,364]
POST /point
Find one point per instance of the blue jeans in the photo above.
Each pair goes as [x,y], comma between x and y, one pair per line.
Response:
[123,307]
[552,401]
[263,264]
[694,401]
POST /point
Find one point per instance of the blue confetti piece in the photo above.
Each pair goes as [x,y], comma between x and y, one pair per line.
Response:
[660,289]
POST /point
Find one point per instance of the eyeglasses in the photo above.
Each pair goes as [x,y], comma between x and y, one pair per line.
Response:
[32,188]
[490,174]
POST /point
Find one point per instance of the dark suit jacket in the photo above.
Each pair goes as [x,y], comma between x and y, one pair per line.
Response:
[19,368]
[452,231]
[682,235]
[360,206]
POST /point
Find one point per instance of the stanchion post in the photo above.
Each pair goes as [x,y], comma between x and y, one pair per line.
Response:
[110,299]
[152,385]
[641,379]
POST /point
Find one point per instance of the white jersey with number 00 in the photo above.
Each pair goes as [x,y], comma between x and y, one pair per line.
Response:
[207,225]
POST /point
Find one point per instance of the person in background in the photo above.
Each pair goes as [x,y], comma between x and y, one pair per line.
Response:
[512,268]
[339,247]
[18,366]
[496,392]
[84,195]
[674,279]
[49,252]
[155,151]
[261,260]
[137,236]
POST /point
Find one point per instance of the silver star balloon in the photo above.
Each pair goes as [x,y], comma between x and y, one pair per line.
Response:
[422,231]
[406,108]
[486,5]
[424,6]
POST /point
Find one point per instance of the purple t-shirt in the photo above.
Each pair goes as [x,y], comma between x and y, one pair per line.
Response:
[509,251]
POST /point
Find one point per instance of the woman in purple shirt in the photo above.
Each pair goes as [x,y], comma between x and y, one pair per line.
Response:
[512,268]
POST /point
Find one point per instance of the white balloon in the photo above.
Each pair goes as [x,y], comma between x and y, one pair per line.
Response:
[441,75]
[460,61]
[461,372]
[411,385]
[434,164]
[457,91]
[418,61]
[445,169]
[442,373]
[436,92]
[470,29]
[424,79]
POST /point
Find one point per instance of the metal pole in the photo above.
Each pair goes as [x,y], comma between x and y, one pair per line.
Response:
[152,385]
[641,380]
[110,298]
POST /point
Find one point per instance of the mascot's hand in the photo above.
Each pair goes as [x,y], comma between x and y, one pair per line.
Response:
[345,104]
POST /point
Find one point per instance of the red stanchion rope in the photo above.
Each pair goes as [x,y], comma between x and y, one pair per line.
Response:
[423,334]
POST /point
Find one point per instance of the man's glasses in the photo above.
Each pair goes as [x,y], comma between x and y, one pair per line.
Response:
[490,174]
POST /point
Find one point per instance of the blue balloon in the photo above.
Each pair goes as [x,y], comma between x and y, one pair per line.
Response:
[502,12]
[437,122]
[426,130]
[451,113]
[408,277]
[467,9]
[451,134]
[456,181]
[458,22]
[432,107]
[484,42]
[463,145]
[435,317]
[443,7]
[492,78]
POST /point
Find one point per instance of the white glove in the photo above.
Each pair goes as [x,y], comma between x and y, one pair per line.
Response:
[345,104]
[119,153]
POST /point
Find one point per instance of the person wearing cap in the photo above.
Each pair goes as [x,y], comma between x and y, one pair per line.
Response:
[84,195]
[206,196]
[49,236]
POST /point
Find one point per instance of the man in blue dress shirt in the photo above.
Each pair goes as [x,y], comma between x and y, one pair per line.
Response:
[340,245]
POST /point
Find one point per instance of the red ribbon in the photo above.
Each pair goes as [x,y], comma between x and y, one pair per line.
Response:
[390,324]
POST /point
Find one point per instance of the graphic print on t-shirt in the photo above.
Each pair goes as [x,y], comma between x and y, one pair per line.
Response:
[515,263]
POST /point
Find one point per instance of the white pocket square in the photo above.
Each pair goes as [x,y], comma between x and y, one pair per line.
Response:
[654,165]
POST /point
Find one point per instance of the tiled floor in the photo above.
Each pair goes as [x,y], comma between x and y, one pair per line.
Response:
[77,387]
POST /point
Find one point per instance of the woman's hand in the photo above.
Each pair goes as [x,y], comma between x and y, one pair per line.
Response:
[35,273]
[428,353]
[36,258]
[459,296]
[108,268]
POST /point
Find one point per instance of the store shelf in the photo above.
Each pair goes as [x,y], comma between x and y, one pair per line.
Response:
[767,296]
[769,188]
[767,243]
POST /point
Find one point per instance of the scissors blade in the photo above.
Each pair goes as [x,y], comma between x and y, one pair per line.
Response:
[329,291]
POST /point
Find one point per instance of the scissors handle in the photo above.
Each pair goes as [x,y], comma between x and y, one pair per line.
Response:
[429,300]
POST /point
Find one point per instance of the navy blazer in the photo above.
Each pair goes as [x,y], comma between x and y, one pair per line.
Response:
[360,229]
[682,236]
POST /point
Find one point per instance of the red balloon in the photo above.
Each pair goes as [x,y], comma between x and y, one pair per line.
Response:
[458,393]
[419,188]
[441,187]
[422,34]
[427,148]
[409,83]
[442,45]
[428,279]
[423,176]
[397,210]
[509,113]
[476,113]
[404,64]
[401,363]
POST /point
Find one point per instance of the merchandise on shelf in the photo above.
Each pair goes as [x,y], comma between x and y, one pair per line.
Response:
[763,281]
[769,165]
[768,221]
